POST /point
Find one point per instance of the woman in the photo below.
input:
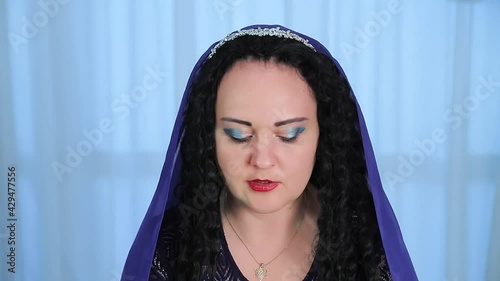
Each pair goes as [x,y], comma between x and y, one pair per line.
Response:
[273,173]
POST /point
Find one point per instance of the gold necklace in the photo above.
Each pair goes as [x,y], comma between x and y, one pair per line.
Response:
[261,271]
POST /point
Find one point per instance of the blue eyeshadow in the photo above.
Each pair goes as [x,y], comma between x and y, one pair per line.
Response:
[293,132]
[234,133]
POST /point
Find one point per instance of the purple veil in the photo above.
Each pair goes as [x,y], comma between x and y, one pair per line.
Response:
[139,260]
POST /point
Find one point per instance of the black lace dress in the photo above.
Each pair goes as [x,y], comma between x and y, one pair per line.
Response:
[168,248]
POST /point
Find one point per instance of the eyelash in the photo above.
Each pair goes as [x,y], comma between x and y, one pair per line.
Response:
[247,139]
[295,132]
[243,140]
[290,140]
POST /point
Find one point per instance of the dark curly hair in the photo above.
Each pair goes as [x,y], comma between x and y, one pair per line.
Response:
[348,243]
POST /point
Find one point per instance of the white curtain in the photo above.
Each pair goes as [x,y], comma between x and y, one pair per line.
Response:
[89,91]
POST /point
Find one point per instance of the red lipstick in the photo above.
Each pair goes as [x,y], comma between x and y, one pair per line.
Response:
[262,185]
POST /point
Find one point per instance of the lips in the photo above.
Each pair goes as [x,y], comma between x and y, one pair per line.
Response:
[262,185]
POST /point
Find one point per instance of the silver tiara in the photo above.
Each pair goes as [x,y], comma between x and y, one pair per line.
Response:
[274,31]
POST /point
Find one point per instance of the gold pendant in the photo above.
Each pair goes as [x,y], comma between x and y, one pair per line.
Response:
[261,272]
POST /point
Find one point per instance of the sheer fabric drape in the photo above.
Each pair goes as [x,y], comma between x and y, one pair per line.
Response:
[89,91]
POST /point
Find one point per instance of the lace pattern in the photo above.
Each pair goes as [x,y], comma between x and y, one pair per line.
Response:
[168,248]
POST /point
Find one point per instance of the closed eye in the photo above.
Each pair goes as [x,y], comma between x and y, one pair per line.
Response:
[292,135]
[236,135]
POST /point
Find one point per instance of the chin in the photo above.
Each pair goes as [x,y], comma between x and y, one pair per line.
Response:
[268,205]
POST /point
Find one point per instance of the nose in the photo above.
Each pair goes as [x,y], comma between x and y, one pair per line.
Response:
[263,154]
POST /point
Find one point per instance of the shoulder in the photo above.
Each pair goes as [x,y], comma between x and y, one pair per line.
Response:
[167,246]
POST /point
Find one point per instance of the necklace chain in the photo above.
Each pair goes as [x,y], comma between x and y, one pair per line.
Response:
[261,271]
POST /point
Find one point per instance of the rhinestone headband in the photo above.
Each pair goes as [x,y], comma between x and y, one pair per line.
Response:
[274,31]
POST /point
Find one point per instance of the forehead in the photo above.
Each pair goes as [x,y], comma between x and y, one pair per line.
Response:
[257,89]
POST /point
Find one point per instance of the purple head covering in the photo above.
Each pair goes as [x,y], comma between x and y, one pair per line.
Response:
[139,260]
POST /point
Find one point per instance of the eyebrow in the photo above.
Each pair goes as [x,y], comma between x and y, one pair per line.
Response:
[289,121]
[228,119]
[277,124]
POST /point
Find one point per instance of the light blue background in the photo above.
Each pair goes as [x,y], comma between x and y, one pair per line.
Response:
[73,68]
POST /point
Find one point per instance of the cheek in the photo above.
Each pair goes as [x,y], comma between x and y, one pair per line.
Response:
[231,159]
[299,163]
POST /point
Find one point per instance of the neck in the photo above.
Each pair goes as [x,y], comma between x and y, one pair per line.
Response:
[261,229]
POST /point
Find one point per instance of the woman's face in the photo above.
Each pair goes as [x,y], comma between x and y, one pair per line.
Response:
[266,134]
